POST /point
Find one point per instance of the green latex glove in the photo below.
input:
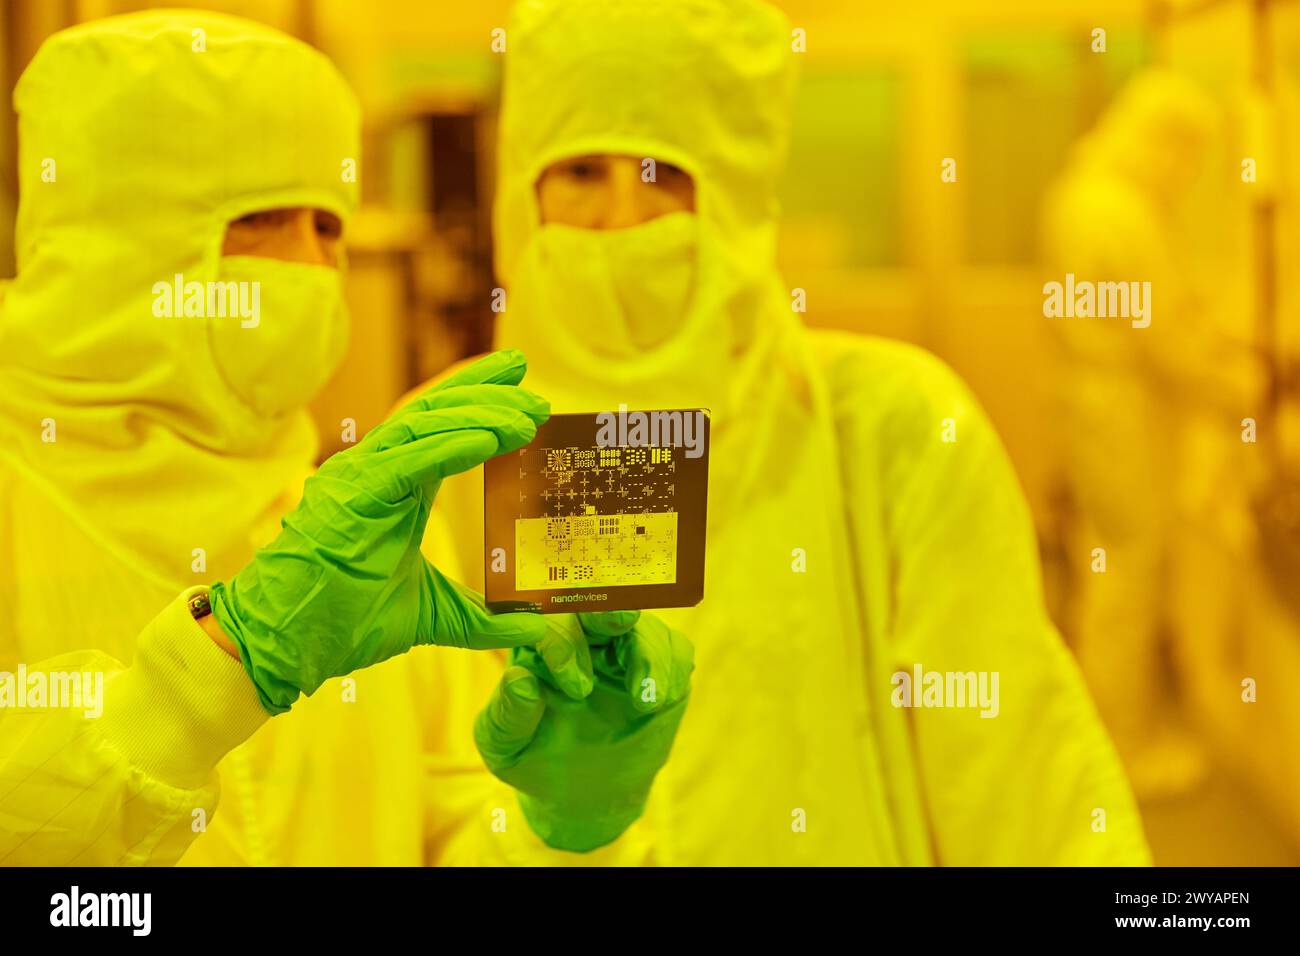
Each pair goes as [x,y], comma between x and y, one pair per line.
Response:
[583,768]
[344,585]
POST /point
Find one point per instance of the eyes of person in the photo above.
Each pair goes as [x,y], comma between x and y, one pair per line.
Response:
[327,225]
[591,170]
[667,172]
[583,170]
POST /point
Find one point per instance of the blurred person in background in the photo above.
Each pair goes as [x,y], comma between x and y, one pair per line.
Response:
[1115,215]
[864,520]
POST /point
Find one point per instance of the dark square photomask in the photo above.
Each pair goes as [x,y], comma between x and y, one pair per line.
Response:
[600,512]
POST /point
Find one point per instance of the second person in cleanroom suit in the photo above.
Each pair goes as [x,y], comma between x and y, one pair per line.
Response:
[146,450]
[863,516]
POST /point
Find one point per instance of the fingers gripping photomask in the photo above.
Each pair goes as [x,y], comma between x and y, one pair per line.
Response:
[600,512]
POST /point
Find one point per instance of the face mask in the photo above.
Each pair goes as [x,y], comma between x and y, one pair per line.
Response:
[630,288]
[285,337]
[621,315]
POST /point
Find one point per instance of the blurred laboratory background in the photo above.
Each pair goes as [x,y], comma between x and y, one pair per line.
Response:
[1116,139]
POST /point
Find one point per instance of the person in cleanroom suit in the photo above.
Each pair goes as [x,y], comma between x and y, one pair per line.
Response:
[148,445]
[863,517]
[1133,400]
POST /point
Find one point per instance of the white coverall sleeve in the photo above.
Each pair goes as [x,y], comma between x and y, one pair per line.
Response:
[1037,781]
[134,785]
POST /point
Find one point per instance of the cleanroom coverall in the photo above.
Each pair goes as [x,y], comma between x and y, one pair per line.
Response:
[141,138]
[863,517]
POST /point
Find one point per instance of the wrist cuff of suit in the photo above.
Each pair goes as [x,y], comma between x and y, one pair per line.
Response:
[281,695]
[183,704]
[578,830]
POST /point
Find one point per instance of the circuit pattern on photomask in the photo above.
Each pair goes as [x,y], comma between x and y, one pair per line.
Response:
[597,517]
